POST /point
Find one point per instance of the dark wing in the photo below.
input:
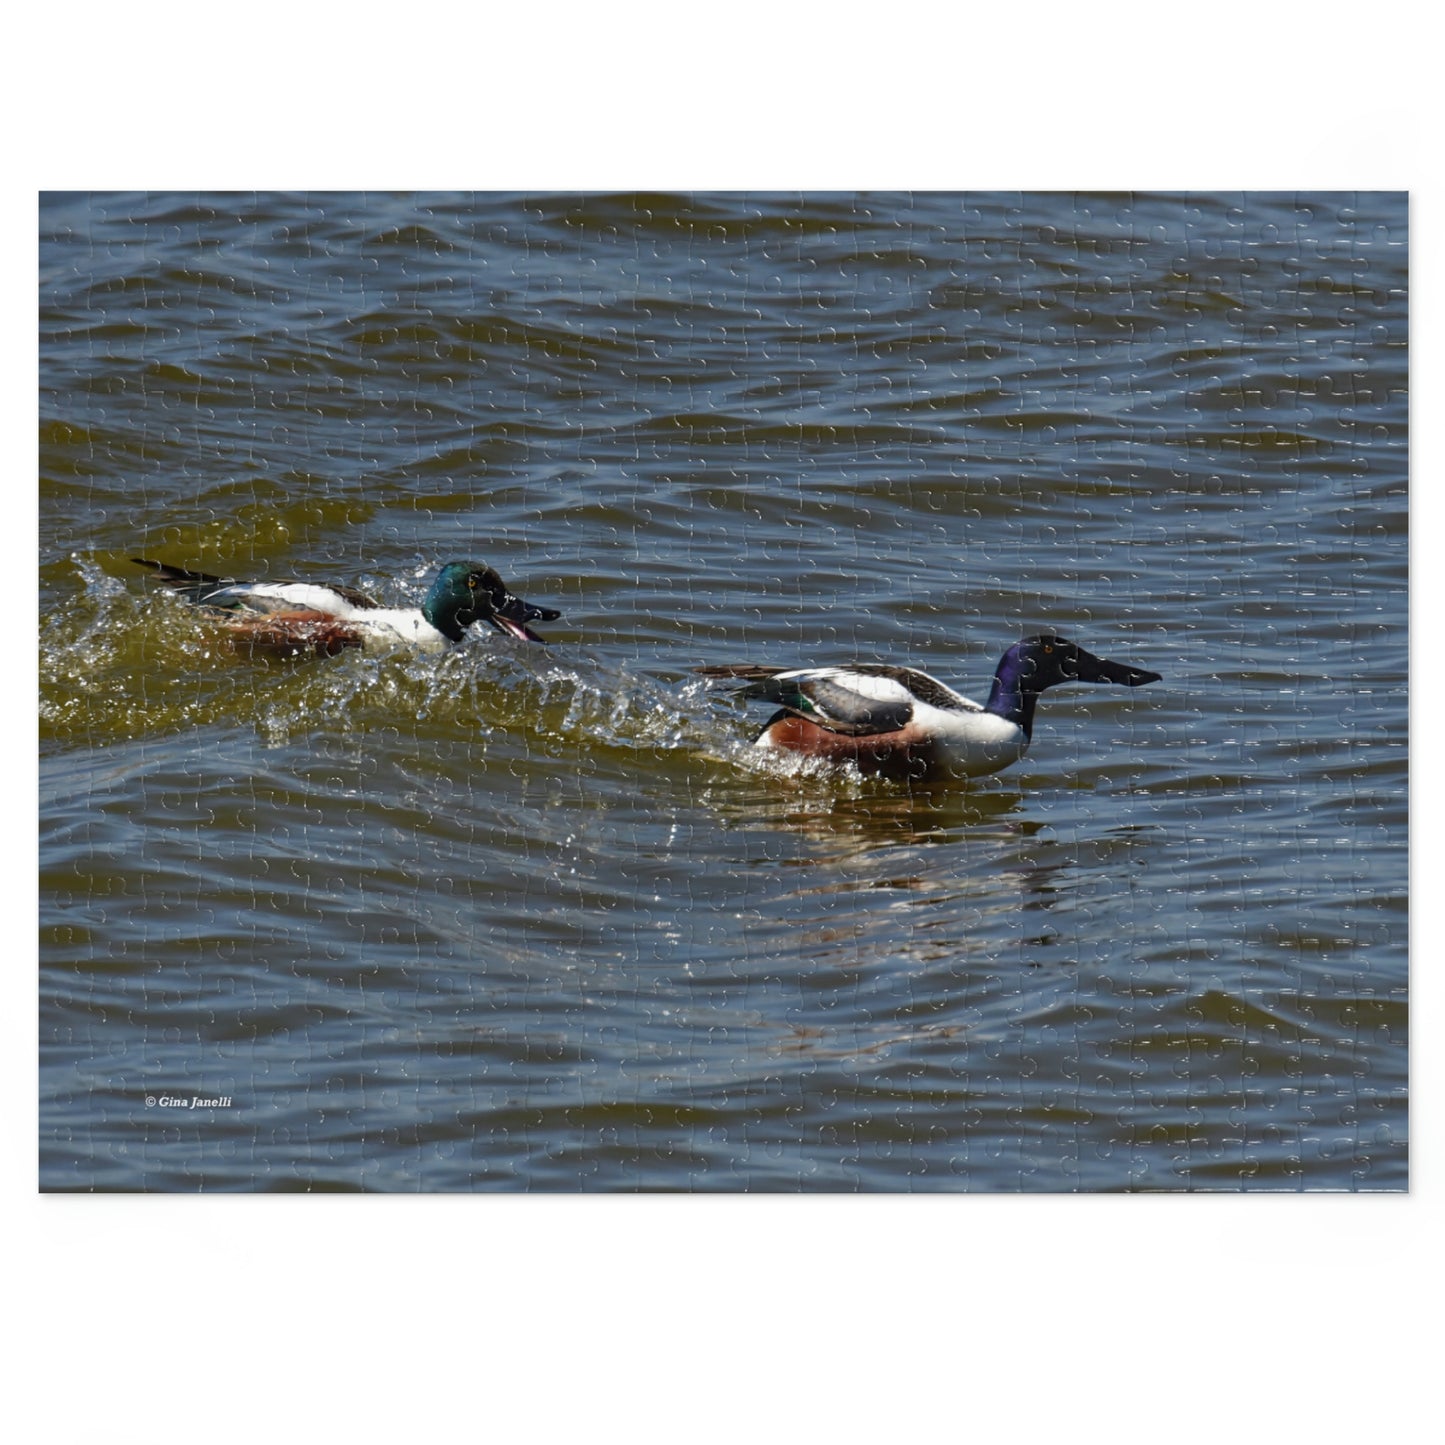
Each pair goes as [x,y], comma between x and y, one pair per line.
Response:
[738,669]
[202,586]
[191,585]
[922,687]
[855,701]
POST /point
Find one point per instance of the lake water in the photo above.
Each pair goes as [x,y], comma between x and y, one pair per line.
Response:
[525,918]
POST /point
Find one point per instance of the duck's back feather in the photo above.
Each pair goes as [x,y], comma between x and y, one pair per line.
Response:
[861,700]
[230,593]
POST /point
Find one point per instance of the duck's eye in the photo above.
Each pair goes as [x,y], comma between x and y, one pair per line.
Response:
[1047,648]
[472,582]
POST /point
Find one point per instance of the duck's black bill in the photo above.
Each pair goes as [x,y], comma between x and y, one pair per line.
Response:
[1099,669]
[514,614]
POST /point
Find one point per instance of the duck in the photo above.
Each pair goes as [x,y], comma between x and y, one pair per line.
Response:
[896,719]
[290,619]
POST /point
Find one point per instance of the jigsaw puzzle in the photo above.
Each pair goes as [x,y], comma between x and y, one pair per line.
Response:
[545,692]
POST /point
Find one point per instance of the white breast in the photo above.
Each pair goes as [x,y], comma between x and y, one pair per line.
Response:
[388,625]
[973,743]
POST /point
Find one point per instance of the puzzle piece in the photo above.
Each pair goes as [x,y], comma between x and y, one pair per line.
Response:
[497,915]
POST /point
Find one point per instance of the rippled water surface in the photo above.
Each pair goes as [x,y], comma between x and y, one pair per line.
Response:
[519,917]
